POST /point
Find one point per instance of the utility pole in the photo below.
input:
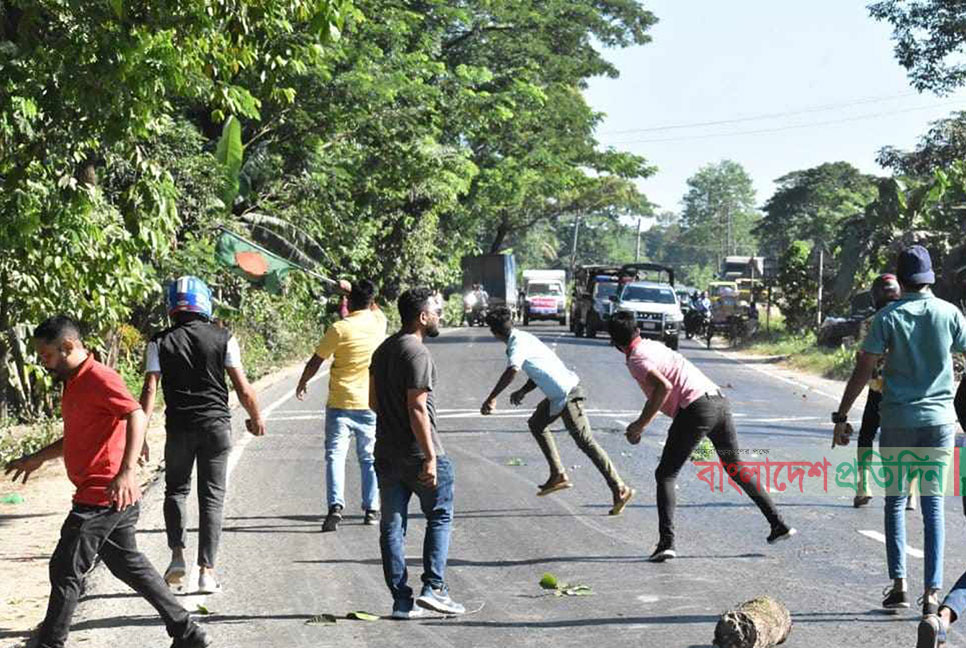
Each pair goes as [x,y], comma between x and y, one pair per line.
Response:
[821,271]
[573,251]
[637,253]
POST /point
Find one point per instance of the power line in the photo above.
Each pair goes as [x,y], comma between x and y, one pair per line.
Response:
[784,128]
[737,120]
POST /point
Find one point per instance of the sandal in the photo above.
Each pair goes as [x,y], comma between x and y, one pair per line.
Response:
[622,500]
[553,485]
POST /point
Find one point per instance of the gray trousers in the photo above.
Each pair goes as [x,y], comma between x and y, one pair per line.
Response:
[210,449]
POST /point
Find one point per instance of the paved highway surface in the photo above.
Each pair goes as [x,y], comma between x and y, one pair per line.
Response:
[279,571]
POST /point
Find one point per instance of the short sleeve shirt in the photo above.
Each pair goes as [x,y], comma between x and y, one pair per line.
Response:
[525,352]
[95,401]
[919,333]
[402,362]
[152,361]
[688,383]
[350,343]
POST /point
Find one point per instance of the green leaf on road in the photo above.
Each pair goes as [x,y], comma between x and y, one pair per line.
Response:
[203,610]
[362,616]
[549,581]
[322,619]
[578,590]
[516,461]
[12,498]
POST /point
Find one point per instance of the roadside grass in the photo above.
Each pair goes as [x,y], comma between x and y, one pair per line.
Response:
[800,351]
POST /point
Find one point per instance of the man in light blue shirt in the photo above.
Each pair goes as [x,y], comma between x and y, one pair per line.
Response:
[564,398]
[918,335]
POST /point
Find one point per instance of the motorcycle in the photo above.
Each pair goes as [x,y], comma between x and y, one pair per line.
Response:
[474,310]
[696,323]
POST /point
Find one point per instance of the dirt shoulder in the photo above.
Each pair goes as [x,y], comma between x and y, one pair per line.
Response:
[30,529]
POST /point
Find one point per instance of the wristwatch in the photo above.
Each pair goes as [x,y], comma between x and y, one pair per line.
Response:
[839,418]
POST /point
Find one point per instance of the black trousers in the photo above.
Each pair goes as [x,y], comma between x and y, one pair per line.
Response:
[182,449]
[92,531]
[870,419]
[709,416]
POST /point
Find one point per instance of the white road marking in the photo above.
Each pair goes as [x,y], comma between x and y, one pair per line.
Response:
[192,601]
[878,537]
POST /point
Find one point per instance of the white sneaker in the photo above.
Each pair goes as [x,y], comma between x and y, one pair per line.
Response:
[405,615]
[208,584]
[175,574]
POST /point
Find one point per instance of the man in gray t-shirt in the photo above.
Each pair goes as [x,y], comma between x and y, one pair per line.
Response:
[409,458]
[402,363]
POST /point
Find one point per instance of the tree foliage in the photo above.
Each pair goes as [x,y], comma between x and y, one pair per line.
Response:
[929,40]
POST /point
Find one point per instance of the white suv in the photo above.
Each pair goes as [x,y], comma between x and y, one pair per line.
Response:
[655,307]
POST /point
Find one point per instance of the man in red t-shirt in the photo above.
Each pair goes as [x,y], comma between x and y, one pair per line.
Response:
[103,434]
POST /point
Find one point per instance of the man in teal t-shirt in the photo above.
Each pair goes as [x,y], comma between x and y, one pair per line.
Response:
[918,335]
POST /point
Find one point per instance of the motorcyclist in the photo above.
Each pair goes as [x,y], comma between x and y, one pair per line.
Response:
[702,304]
[474,304]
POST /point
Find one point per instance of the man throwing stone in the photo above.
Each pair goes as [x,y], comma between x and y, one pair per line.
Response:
[564,397]
[350,343]
[679,389]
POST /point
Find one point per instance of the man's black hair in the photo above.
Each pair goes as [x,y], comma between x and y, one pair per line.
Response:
[500,321]
[362,294]
[413,302]
[623,328]
[56,328]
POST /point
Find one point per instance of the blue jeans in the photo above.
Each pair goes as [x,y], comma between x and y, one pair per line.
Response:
[340,425]
[933,518]
[397,485]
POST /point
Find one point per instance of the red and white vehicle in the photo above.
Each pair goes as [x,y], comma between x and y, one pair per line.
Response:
[546,298]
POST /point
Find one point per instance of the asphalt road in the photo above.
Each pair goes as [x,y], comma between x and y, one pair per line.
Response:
[279,571]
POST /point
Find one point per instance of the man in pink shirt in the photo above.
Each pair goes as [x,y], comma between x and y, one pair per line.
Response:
[679,389]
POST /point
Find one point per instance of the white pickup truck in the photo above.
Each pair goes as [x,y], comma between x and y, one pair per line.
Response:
[546,297]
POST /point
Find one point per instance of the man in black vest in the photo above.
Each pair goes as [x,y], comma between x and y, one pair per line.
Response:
[191,359]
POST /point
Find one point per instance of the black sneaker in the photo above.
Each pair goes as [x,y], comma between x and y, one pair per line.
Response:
[663,551]
[196,638]
[779,532]
[332,520]
[895,599]
[929,602]
[371,517]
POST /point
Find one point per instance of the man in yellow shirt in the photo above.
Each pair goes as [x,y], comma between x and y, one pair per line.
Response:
[350,343]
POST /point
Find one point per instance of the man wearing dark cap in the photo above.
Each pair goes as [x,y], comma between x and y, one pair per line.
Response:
[917,334]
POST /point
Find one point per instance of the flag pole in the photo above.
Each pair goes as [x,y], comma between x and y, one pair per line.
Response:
[312,273]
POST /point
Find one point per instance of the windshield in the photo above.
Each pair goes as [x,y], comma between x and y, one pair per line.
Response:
[648,294]
[606,289]
[544,289]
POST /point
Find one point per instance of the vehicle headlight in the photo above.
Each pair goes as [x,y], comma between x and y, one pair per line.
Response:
[675,317]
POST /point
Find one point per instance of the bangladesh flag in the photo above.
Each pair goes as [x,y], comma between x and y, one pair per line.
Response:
[252,261]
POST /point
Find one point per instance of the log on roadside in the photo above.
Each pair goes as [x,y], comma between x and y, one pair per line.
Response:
[760,623]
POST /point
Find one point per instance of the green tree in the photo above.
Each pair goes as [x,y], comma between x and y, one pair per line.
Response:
[797,287]
[719,216]
[929,40]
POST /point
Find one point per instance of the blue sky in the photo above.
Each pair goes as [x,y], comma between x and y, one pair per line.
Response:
[712,61]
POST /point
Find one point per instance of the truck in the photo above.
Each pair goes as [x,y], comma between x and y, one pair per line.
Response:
[545,296]
[590,305]
[497,273]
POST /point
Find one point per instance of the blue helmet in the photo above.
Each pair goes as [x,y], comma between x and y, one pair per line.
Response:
[189,295]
